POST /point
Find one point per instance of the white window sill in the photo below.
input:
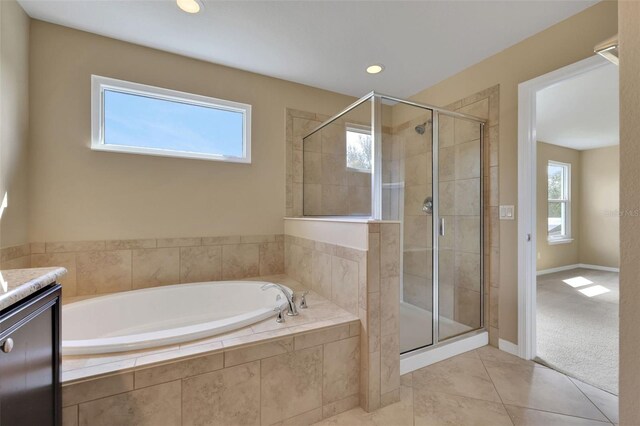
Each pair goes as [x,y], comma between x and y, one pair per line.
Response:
[560,241]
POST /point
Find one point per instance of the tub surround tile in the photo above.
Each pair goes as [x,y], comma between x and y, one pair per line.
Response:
[74,246]
[239,261]
[14,252]
[70,416]
[198,264]
[341,379]
[94,389]
[259,351]
[320,337]
[340,406]
[97,371]
[247,239]
[344,283]
[291,384]
[130,244]
[65,260]
[308,418]
[150,406]
[216,241]
[228,397]
[271,258]
[179,242]
[389,363]
[178,370]
[103,271]
[155,267]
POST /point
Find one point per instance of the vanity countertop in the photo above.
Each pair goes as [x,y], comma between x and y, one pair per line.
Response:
[16,284]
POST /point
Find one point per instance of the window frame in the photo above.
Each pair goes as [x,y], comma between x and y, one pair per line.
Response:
[356,128]
[566,201]
[99,84]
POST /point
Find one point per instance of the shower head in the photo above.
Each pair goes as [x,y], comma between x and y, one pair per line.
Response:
[421,128]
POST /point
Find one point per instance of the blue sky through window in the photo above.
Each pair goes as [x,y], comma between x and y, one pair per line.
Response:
[140,121]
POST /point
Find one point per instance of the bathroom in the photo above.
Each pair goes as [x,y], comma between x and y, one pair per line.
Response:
[340,258]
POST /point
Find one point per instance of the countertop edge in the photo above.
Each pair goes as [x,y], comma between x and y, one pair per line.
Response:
[18,284]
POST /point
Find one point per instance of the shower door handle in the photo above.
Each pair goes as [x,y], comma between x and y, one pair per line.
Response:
[441,227]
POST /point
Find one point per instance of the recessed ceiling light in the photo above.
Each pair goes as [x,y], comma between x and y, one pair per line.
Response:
[375,69]
[190,6]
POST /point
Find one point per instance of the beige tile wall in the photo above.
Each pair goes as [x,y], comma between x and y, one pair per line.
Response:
[299,379]
[15,257]
[96,267]
[365,283]
[485,104]
[319,166]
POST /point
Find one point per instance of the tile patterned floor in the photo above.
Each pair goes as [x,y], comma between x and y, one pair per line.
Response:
[488,387]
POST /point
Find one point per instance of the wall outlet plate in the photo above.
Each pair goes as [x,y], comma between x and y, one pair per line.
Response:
[507,213]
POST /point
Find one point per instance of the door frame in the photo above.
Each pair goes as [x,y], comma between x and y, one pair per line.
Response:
[527,167]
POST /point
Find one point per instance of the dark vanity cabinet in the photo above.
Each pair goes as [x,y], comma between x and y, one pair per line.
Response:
[30,360]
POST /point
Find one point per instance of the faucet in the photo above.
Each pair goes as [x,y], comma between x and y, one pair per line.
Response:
[293,311]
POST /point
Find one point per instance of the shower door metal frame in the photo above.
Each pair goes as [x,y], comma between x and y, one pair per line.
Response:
[376,197]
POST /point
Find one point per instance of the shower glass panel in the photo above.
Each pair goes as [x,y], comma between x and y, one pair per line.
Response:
[407,196]
[337,166]
[459,240]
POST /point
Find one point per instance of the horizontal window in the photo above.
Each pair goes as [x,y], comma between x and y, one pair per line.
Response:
[139,119]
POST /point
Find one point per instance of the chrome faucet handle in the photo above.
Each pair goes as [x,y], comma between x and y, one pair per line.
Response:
[303,300]
[280,316]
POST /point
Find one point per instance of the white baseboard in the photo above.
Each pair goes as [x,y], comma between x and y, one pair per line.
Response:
[577,265]
[558,269]
[599,268]
[414,361]
[505,345]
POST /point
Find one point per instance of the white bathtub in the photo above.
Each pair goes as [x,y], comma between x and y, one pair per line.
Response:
[166,315]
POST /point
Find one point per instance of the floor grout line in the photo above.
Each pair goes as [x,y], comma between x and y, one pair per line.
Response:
[495,388]
[590,400]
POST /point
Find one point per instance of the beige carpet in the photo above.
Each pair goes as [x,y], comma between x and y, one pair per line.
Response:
[577,334]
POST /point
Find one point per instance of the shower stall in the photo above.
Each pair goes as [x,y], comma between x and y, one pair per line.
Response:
[386,158]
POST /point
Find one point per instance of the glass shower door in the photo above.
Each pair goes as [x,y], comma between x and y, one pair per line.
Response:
[459,265]
[407,196]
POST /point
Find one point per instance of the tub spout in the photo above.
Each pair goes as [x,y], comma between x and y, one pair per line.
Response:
[292,311]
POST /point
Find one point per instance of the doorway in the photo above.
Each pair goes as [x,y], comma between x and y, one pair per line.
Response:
[568,209]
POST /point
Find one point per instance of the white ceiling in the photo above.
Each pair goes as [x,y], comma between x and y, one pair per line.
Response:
[325,44]
[581,113]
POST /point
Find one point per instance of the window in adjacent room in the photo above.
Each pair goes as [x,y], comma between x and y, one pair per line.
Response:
[559,202]
[139,119]
[359,148]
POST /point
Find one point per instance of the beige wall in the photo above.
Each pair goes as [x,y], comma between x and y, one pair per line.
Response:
[554,255]
[79,194]
[629,35]
[594,201]
[565,43]
[599,203]
[14,122]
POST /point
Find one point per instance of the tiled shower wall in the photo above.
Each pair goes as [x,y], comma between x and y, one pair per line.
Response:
[330,187]
[365,283]
[96,267]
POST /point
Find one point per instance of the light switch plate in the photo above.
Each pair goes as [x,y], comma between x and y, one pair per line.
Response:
[507,213]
